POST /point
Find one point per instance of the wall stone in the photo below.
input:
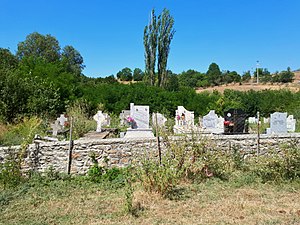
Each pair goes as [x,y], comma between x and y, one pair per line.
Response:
[122,152]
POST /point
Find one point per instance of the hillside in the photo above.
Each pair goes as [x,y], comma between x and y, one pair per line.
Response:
[295,86]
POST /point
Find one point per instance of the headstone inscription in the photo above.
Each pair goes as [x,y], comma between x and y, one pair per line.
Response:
[139,119]
[212,123]
[278,123]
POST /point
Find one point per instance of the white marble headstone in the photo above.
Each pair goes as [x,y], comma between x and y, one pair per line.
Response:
[266,120]
[291,123]
[212,123]
[278,123]
[140,114]
[161,120]
[252,120]
[184,117]
[210,120]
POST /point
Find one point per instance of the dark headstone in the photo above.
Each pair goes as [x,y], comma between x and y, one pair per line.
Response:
[235,122]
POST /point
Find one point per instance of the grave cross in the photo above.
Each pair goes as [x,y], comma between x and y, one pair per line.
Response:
[99,117]
[55,127]
[62,119]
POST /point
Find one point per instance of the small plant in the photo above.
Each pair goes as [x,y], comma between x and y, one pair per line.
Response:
[10,173]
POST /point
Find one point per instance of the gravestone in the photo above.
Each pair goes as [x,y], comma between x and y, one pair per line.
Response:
[55,128]
[235,122]
[99,118]
[140,116]
[62,120]
[291,123]
[252,120]
[266,120]
[107,119]
[212,123]
[184,120]
[278,123]
[123,117]
[161,119]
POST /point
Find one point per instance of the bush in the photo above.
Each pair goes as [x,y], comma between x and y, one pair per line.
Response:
[21,132]
[81,122]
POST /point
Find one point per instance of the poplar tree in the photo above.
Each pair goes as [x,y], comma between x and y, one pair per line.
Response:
[157,39]
[150,44]
[165,36]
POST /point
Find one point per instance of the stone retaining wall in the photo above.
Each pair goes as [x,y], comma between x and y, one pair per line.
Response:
[121,152]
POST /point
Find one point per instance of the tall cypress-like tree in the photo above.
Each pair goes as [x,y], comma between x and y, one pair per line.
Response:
[150,44]
[157,39]
[165,36]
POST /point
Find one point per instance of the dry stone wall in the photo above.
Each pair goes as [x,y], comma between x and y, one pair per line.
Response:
[122,152]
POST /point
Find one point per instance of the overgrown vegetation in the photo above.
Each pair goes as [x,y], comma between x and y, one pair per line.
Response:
[190,171]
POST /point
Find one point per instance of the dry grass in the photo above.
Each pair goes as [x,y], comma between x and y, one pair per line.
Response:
[252,86]
[210,203]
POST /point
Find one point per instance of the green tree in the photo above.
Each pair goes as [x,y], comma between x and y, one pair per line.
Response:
[125,74]
[138,74]
[172,82]
[286,76]
[157,39]
[150,45]
[7,59]
[165,36]
[229,77]
[246,76]
[72,59]
[214,74]
[39,46]
[263,74]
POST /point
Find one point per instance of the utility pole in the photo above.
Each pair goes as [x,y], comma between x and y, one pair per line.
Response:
[257,65]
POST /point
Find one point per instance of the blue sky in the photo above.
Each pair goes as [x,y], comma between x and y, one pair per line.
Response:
[109,34]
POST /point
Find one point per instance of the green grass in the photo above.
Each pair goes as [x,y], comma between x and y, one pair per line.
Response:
[79,201]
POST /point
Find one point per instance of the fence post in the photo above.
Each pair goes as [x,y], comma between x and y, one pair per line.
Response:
[157,139]
[71,144]
[258,134]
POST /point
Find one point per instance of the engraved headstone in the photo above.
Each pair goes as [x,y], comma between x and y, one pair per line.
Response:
[212,123]
[278,123]
[235,122]
[140,114]
[139,118]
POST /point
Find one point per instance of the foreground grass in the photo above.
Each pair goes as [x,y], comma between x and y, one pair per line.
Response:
[213,202]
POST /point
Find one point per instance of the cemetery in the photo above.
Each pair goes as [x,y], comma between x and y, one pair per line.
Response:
[123,147]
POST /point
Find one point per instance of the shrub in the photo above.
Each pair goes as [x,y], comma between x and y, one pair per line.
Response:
[81,122]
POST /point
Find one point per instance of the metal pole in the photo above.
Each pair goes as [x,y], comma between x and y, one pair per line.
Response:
[258,136]
[71,144]
[257,65]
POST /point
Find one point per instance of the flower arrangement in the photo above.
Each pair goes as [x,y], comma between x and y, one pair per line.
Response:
[228,123]
[131,121]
